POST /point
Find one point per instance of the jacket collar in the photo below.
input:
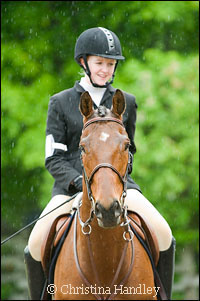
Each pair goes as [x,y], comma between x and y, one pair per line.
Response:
[108,94]
[78,87]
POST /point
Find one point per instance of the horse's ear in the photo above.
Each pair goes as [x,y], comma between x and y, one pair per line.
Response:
[86,105]
[118,103]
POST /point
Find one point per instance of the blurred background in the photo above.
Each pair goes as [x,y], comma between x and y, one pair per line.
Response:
[160,42]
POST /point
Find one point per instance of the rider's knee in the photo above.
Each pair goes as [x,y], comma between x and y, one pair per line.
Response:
[137,202]
[164,234]
[34,247]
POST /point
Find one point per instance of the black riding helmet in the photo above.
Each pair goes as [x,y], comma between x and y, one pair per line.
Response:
[98,41]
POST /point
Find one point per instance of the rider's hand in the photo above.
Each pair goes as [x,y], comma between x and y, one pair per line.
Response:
[77,182]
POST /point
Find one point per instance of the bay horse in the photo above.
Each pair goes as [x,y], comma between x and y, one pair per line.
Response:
[101,257]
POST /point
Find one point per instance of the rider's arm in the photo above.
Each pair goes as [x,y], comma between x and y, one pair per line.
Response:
[56,147]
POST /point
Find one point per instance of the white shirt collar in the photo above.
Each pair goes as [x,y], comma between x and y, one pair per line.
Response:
[95,92]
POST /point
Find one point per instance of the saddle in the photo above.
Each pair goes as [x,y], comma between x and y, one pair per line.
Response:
[52,238]
[61,224]
[146,232]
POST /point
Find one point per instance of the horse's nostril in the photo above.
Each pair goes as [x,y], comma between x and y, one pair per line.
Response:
[117,208]
[116,205]
[98,210]
[109,214]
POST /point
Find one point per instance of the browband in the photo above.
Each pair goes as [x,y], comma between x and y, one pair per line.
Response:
[97,119]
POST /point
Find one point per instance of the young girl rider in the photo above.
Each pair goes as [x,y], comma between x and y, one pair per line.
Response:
[97,51]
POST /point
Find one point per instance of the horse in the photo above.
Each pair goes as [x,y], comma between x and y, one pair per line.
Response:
[101,257]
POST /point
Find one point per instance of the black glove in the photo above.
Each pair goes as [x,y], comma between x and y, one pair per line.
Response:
[78,183]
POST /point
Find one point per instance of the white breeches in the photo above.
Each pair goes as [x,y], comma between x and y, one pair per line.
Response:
[135,202]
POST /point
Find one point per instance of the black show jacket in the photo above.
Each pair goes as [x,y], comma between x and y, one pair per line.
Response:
[63,131]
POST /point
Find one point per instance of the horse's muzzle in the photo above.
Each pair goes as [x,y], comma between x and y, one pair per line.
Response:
[108,218]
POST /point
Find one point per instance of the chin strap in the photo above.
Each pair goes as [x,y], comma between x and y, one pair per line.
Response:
[87,71]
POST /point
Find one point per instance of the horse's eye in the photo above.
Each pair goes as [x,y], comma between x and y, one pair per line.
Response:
[81,148]
[127,146]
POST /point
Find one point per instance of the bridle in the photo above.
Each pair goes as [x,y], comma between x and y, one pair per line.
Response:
[88,182]
[123,179]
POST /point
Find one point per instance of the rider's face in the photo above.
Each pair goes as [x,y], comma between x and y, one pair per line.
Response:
[101,69]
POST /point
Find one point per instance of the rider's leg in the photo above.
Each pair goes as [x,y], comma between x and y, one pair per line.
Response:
[32,252]
[35,276]
[137,202]
[39,231]
[165,268]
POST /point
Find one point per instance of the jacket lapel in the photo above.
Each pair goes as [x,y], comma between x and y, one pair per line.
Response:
[108,94]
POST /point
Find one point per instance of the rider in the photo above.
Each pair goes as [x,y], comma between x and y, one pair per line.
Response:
[97,51]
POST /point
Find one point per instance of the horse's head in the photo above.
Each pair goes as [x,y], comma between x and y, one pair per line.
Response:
[104,144]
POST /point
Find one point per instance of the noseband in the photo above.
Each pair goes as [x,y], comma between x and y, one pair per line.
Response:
[123,179]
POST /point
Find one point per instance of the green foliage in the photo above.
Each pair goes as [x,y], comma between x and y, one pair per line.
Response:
[160,42]
[166,162]
[7,290]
